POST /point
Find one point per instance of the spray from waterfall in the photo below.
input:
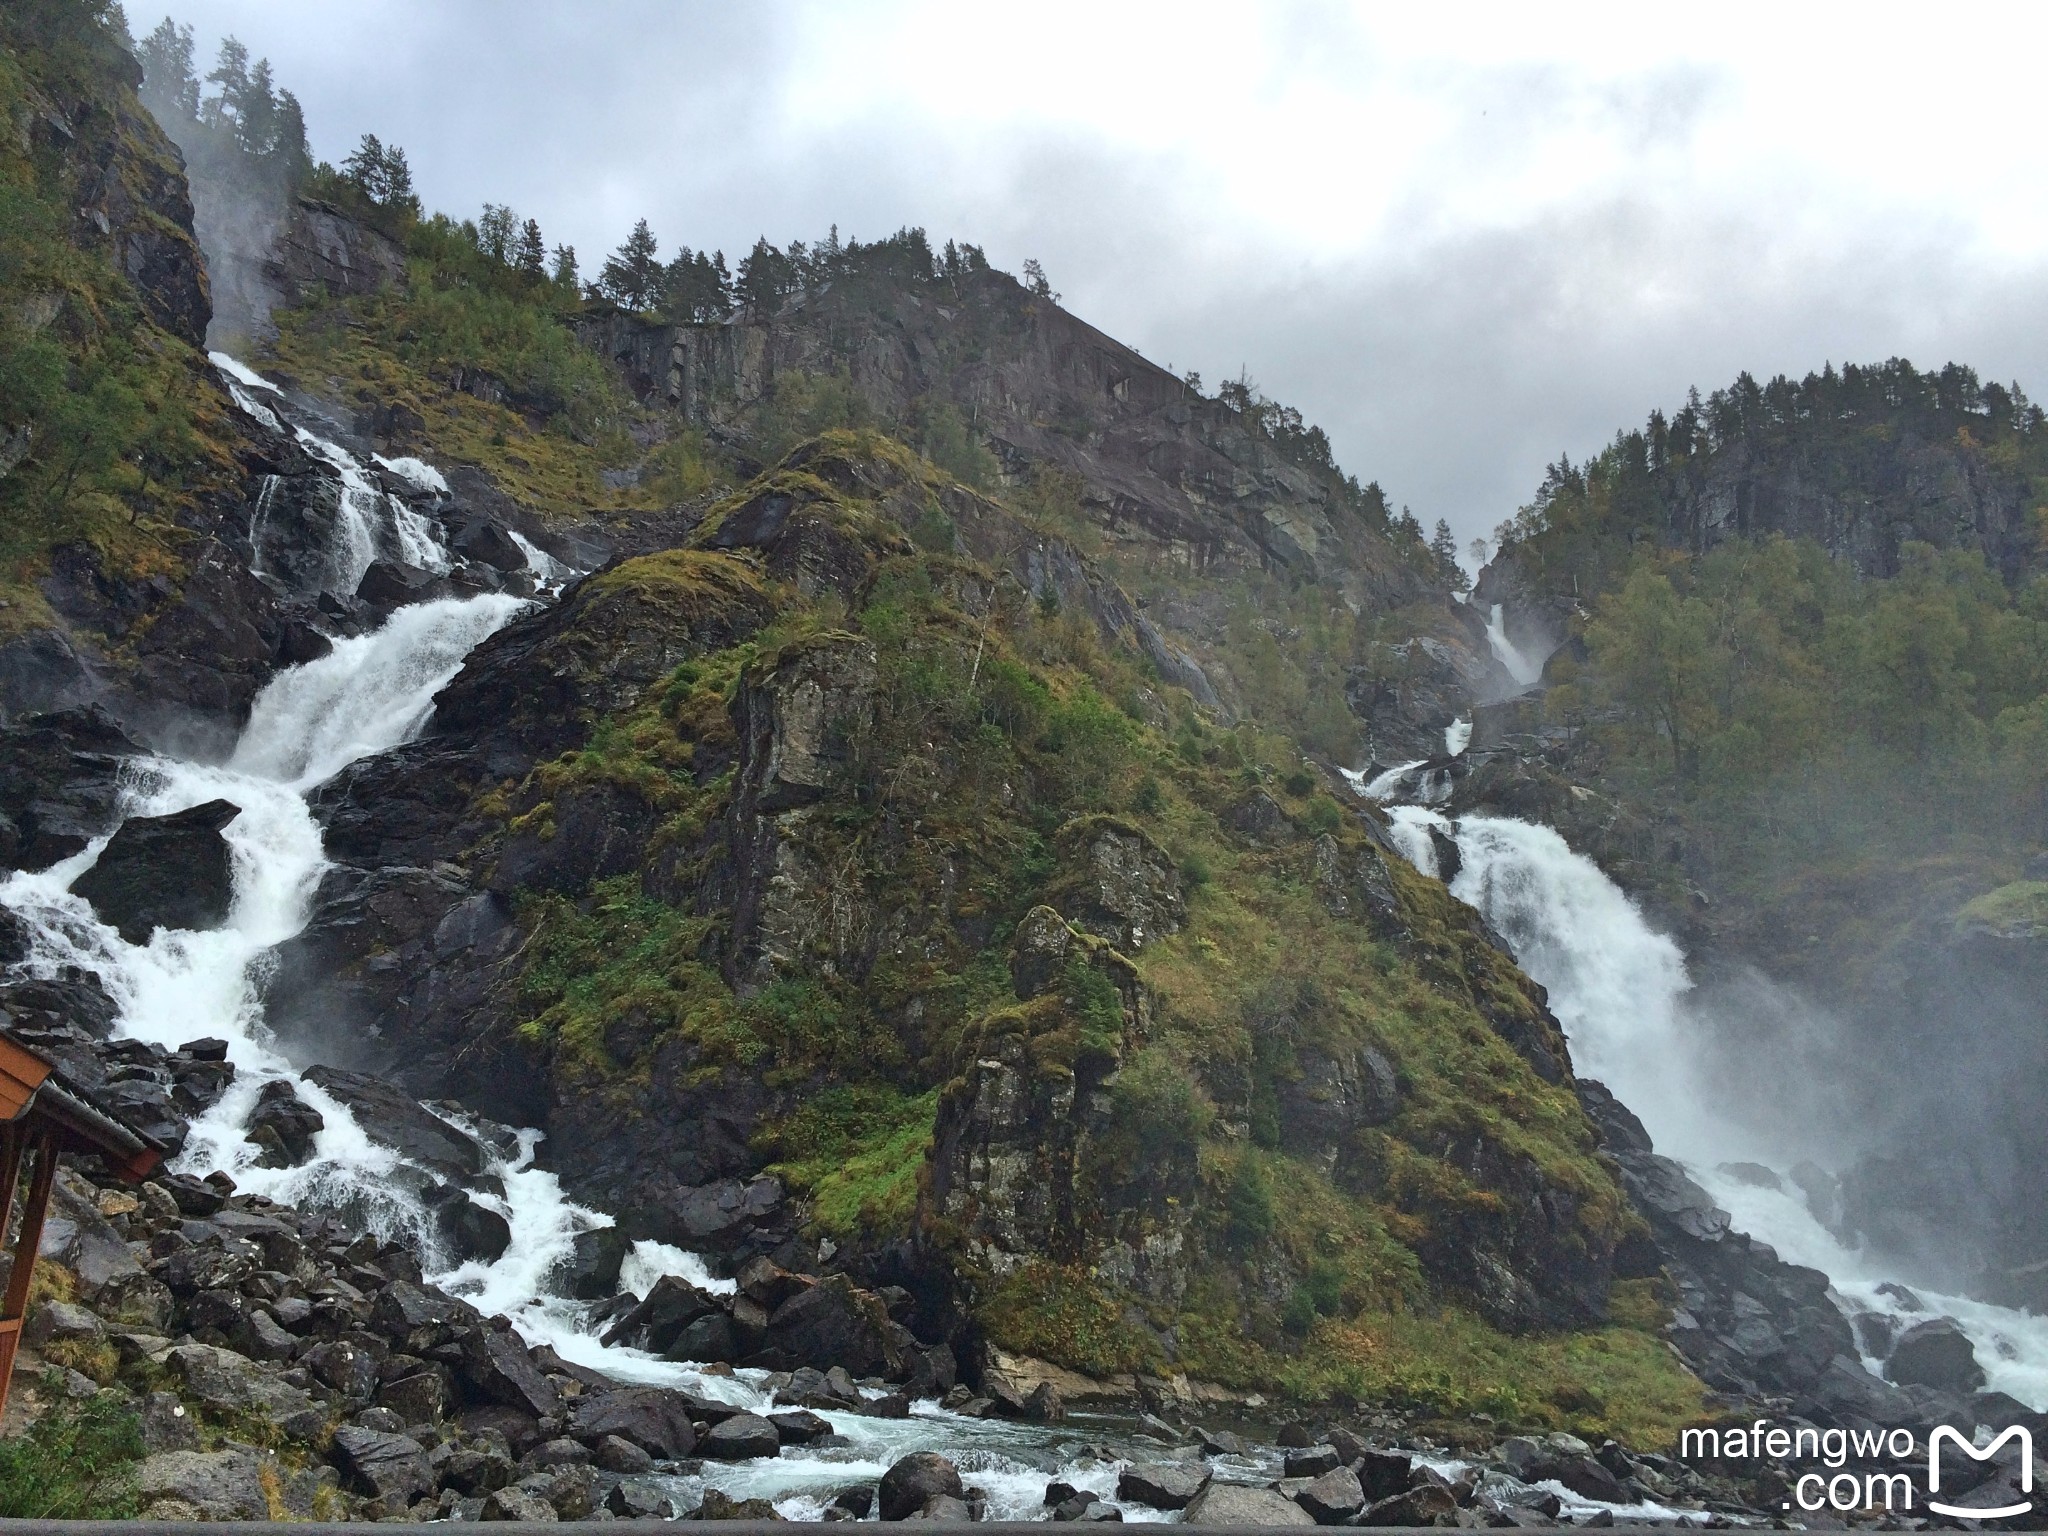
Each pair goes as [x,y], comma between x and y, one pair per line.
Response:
[1525,670]
[1627,1004]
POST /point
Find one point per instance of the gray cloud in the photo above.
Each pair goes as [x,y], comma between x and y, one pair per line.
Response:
[1566,252]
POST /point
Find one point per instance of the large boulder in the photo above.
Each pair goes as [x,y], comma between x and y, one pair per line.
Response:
[1333,1498]
[655,1419]
[1162,1484]
[742,1437]
[499,1370]
[670,1306]
[1936,1353]
[913,1481]
[383,1466]
[1230,1504]
[235,1387]
[835,1323]
[284,1125]
[60,785]
[200,1485]
[164,872]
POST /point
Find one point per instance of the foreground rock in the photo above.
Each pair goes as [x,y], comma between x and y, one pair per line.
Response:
[914,1481]
[164,872]
[1229,1504]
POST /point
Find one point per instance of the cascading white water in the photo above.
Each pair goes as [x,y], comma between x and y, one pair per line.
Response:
[1457,737]
[1622,993]
[368,694]
[1521,668]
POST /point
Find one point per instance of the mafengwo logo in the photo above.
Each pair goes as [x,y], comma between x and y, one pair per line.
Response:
[1943,1433]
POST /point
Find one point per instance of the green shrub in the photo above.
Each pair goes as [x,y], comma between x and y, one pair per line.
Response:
[1249,1204]
[74,1463]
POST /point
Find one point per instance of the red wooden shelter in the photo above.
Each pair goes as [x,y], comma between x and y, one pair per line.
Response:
[40,1120]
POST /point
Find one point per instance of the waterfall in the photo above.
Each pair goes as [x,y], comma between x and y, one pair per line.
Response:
[1522,669]
[1622,992]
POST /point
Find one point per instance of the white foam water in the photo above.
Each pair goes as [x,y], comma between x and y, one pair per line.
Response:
[1623,995]
[417,473]
[1524,669]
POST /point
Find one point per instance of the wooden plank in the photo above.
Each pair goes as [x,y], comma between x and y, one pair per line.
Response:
[25,1249]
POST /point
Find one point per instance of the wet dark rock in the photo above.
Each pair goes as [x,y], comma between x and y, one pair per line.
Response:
[418,1319]
[1311,1461]
[1746,1321]
[1229,1504]
[633,1498]
[195,1197]
[857,1502]
[1382,1474]
[164,872]
[655,1419]
[383,1465]
[591,1272]
[1162,1484]
[497,1367]
[835,1323]
[1333,1498]
[670,1305]
[479,1465]
[799,1427]
[1418,1506]
[613,1454]
[59,785]
[470,1230]
[1936,1353]
[742,1437]
[913,1481]
[284,1125]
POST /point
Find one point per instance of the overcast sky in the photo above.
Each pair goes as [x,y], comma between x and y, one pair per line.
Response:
[1464,239]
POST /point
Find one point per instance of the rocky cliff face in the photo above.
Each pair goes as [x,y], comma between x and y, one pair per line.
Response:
[783,844]
[1185,475]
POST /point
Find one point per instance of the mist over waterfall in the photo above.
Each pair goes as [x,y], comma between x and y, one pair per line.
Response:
[1635,1022]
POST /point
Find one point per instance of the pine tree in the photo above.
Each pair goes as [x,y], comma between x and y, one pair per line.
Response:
[398,191]
[696,288]
[1444,545]
[364,169]
[169,87]
[531,256]
[766,279]
[631,275]
[565,267]
[231,73]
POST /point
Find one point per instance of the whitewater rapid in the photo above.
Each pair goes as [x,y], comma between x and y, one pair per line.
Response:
[1622,992]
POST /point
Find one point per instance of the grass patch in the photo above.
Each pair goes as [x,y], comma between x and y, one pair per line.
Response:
[1064,1314]
[76,1462]
[857,1152]
[2016,911]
